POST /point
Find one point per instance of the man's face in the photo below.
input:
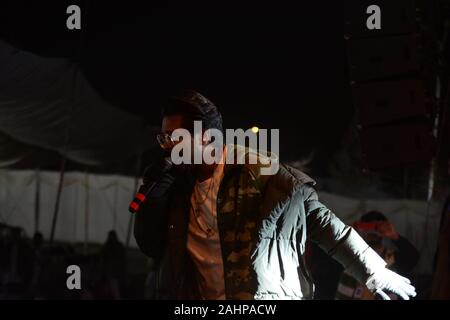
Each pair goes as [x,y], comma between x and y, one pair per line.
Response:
[376,243]
[173,122]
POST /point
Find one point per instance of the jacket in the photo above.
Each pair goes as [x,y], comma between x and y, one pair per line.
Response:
[264,223]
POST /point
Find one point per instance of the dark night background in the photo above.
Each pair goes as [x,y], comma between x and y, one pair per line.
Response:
[274,67]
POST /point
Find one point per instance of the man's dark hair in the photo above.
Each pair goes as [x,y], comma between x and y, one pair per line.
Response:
[373,216]
[193,106]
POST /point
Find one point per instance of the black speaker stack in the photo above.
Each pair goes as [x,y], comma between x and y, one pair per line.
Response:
[392,82]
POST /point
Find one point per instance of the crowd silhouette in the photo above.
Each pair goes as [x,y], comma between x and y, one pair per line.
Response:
[33,269]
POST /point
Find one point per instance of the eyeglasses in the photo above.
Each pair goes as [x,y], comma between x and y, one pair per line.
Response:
[165,141]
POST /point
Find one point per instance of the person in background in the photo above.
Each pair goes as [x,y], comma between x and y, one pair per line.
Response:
[400,255]
[37,265]
[113,267]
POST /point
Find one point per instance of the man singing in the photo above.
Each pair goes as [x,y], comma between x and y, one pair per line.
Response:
[226,231]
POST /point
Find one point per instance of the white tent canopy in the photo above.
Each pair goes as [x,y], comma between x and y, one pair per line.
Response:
[48,104]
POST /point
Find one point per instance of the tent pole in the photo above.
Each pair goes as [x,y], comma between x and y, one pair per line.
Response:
[86,213]
[115,205]
[37,198]
[75,213]
[58,198]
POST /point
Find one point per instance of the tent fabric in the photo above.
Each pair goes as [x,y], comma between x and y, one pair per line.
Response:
[11,151]
[48,103]
[106,208]
[99,202]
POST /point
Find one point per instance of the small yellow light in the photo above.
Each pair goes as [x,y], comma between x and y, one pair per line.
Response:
[255,129]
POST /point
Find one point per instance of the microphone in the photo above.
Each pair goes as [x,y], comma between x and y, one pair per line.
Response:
[145,190]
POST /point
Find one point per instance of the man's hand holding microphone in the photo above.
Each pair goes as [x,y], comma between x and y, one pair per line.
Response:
[157,178]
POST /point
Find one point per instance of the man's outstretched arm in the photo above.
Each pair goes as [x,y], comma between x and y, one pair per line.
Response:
[345,245]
